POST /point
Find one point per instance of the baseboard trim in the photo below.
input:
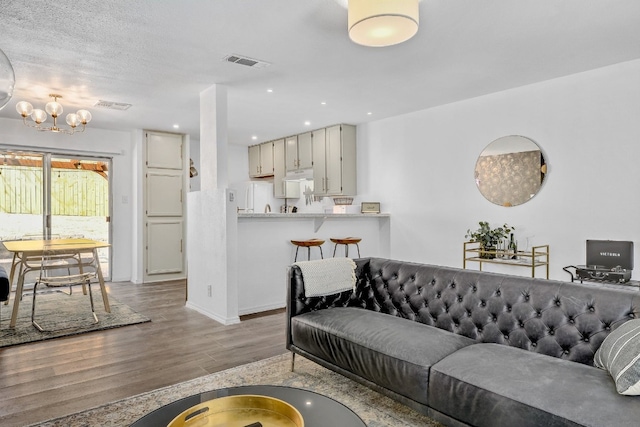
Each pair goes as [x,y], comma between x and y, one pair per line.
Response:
[260,309]
[224,320]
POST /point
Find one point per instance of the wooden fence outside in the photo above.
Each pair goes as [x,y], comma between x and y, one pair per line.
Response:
[73,192]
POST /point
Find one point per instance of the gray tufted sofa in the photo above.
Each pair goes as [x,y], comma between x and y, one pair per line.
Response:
[470,348]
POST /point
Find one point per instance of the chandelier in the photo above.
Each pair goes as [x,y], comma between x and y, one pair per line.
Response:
[382,22]
[54,108]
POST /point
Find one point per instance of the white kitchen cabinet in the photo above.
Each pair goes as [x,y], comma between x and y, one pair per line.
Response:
[261,160]
[334,161]
[299,152]
[292,153]
[279,171]
[282,189]
[254,161]
[319,162]
[266,158]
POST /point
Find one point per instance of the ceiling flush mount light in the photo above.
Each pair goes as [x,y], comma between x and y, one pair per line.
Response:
[7,79]
[81,117]
[380,23]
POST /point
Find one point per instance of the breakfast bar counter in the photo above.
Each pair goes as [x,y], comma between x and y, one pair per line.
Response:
[265,248]
[319,218]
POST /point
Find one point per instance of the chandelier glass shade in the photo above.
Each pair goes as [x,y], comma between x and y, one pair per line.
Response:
[54,109]
[7,79]
[382,22]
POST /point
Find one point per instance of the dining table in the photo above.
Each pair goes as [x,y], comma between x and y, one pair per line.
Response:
[27,256]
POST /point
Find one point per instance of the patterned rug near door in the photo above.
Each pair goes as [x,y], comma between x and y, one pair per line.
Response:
[375,409]
[66,315]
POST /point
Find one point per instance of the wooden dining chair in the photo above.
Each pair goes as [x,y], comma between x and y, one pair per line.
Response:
[53,278]
[72,261]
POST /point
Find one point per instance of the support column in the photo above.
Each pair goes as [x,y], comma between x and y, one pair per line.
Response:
[211,219]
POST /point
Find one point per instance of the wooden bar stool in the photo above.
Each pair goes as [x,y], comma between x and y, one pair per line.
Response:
[308,244]
[346,241]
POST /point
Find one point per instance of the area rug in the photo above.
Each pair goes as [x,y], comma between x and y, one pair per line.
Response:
[66,314]
[375,409]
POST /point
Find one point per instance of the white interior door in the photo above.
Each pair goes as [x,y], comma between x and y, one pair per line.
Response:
[164,246]
[164,193]
[165,182]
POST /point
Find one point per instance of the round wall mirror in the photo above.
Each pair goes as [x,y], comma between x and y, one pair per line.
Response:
[510,171]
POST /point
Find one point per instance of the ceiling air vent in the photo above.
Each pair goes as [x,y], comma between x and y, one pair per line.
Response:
[112,105]
[249,62]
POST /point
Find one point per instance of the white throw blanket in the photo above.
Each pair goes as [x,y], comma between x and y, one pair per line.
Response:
[327,276]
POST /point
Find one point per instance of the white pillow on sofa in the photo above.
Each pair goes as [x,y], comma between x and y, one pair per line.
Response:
[619,354]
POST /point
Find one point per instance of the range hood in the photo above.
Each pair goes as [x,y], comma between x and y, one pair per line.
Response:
[300,175]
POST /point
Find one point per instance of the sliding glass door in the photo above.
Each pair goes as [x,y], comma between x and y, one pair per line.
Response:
[21,199]
[44,195]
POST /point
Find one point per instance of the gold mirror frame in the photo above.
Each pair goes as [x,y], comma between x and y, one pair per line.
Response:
[510,171]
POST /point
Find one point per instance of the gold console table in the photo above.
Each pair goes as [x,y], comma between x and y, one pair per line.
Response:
[538,257]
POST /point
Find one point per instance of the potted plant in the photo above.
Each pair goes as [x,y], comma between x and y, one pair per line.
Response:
[489,237]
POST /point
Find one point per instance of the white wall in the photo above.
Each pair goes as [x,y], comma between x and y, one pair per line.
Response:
[420,167]
[115,144]
[238,163]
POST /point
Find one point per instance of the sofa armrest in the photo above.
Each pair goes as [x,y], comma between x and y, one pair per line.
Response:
[298,303]
[4,284]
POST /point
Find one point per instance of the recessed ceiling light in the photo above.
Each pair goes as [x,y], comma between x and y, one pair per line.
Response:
[269,90]
[254,137]
[176,126]
[307,123]
[369,113]
[323,103]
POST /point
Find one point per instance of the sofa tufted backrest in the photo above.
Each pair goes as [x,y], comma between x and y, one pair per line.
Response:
[560,319]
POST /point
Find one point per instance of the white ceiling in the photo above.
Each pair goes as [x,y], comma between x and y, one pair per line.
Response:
[159,55]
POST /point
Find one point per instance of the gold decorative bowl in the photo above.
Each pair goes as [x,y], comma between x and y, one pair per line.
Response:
[240,411]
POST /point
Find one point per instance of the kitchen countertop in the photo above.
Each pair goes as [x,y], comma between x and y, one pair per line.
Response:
[311,215]
[318,218]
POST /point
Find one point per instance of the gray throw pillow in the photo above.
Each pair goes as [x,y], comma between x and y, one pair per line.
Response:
[620,355]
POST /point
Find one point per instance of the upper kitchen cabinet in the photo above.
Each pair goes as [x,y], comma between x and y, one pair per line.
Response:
[282,189]
[254,161]
[334,161]
[299,152]
[261,160]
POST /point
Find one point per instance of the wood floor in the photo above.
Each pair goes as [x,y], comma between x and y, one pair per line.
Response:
[42,380]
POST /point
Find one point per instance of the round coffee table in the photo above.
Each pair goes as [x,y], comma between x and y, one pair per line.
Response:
[317,410]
